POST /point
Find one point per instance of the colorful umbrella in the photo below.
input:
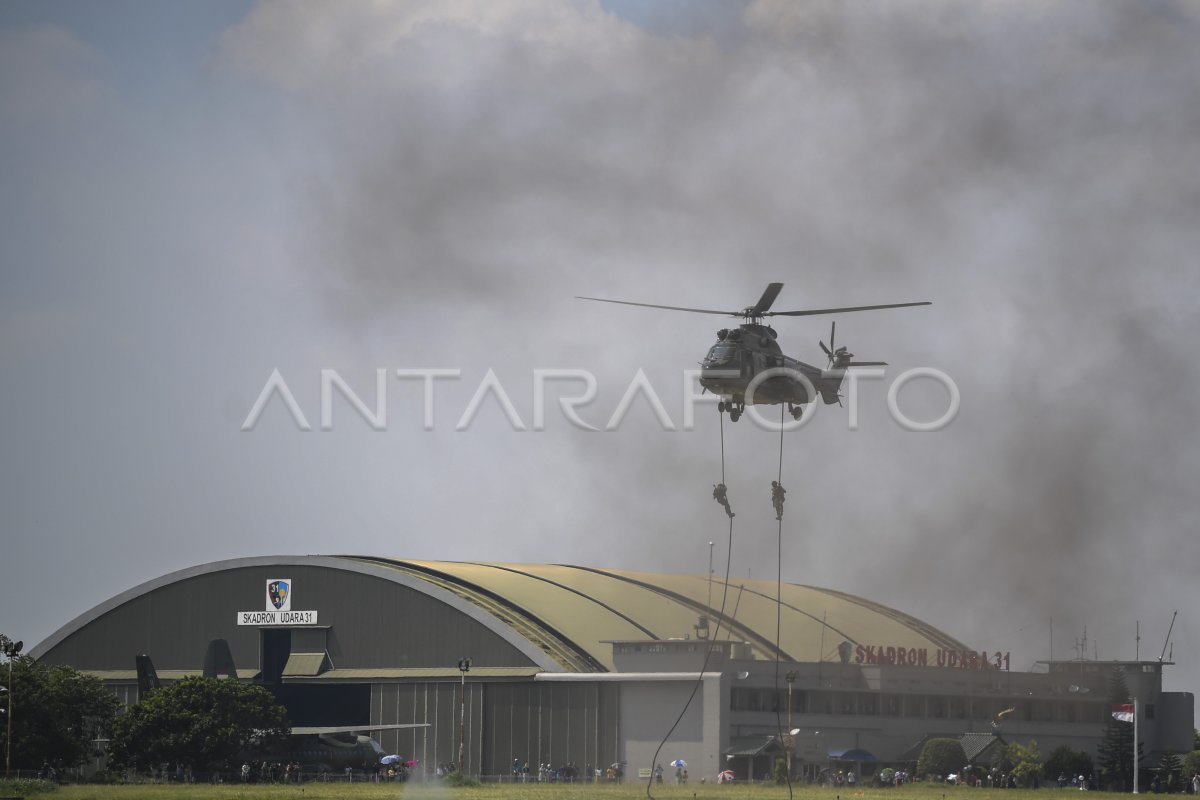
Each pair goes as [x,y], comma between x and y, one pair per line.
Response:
[679,762]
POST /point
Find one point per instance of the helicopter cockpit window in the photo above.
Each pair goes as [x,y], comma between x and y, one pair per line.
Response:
[721,353]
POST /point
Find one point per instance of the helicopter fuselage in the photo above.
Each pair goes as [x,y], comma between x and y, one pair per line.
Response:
[731,366]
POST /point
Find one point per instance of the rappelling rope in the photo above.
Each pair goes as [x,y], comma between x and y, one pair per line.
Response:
[712,639]
[779,601]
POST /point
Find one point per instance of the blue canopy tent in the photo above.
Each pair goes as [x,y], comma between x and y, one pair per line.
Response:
[852,754]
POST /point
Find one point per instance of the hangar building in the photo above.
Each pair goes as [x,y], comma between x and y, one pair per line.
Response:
[593,666]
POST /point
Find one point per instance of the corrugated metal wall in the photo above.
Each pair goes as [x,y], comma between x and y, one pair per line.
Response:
[435,703]
[375,624]
[553,723]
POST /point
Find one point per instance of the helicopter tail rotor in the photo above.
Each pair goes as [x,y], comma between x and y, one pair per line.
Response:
[840,357]
[832,332]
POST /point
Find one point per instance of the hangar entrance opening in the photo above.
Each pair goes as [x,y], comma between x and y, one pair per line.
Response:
[285,657]
[316,705]
[276,648]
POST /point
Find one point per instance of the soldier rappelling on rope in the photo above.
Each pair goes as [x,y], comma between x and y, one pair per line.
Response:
[777,497]
[719,494]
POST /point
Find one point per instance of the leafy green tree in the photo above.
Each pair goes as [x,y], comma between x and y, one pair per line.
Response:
[1026,762]
[58,712]
[203,723]
[1191,764]
[1170,772]
[1067,762]
[1115,751]
[941,757]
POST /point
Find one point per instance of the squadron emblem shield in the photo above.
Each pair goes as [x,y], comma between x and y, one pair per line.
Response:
[279,594]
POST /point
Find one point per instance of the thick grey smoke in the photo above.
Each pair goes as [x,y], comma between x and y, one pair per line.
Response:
[1028,166]
[429,184]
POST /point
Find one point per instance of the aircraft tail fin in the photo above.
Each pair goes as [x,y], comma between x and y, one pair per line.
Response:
[147,678]
[218,660]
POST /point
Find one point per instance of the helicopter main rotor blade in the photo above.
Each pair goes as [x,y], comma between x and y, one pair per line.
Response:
[867,364]
[764,302]
[814,311]
[669,308]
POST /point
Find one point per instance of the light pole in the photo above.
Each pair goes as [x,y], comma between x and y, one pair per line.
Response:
[710,573]
[10,650]
[791,678]
[464,666]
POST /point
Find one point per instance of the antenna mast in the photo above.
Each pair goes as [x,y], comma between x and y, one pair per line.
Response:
[1164,650]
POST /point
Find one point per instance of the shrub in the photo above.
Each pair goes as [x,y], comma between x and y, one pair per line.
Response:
[941,757]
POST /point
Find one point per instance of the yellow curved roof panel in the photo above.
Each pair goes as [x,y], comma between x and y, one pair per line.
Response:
[573,612]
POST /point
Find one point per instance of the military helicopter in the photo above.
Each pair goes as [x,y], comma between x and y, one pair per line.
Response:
[742,353]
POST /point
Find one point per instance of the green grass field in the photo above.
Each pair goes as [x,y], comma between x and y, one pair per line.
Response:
[430,791]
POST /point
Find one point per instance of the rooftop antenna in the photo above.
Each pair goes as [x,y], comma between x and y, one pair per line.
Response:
[1137,639]
[1164,650]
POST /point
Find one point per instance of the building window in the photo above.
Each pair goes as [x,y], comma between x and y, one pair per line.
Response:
[937,707]
[958,708]
[914,706]
[1093,712]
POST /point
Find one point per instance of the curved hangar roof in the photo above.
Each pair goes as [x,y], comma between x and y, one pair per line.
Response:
[565,617]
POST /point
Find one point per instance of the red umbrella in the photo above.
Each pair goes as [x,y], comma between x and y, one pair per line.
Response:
[412,762]
[725,777]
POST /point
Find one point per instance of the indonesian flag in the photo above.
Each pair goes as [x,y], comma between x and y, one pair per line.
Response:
[1123,713]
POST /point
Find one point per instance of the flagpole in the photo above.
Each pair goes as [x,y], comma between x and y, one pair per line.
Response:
[1135,747]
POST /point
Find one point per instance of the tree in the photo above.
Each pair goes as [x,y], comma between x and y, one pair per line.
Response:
[941,757]
[1115,753]
[1191,764]
[1170,772]
[1026,762]
[203,723]
[1067,762]
[58,712]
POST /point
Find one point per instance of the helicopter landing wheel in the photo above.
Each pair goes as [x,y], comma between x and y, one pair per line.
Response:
[721,407]
[735,415]
[797,412]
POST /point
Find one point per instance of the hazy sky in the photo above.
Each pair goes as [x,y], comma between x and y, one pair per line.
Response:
[198,194]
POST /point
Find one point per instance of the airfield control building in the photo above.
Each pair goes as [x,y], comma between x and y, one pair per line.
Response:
[593,666]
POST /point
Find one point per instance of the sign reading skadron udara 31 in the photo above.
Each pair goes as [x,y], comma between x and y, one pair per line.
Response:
[278,608]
